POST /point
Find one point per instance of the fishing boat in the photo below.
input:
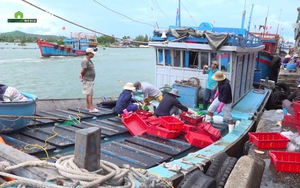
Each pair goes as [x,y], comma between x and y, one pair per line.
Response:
[149,159]
[73,46]
[11,113]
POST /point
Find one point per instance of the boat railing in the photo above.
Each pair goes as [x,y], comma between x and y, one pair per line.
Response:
[87,36]
[237,37]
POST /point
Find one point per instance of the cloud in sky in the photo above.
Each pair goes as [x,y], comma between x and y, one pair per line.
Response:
[93,14]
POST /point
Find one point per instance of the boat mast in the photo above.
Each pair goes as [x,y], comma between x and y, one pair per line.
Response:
[178,19]
[278,22]
[250,17]
[266,22]
[243,17]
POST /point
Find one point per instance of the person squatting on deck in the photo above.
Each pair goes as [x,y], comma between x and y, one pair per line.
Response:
[287,104]
[87,77]
[10,94]
[169,105]
[223,99]
[125,100]
[150,92]
[210,88]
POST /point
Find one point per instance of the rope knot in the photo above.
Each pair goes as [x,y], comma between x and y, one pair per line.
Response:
[4,165]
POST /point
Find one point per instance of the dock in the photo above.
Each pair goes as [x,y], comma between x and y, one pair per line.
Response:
[254,169]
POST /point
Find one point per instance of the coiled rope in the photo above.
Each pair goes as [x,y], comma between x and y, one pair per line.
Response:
[108,175]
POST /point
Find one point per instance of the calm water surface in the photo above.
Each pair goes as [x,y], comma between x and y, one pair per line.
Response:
[57,77]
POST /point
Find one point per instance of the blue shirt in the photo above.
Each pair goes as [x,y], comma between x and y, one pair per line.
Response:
[211,83]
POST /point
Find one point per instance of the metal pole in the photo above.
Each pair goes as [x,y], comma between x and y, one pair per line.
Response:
[179,21]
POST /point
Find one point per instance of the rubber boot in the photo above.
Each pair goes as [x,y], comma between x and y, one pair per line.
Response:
[205,103]
[230,127]
[208,118]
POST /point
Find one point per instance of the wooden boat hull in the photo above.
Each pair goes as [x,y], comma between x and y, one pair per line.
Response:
[18,109]
[48,49]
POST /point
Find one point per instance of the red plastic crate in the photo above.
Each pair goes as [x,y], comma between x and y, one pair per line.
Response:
[134,124]
[290,121]
[143,112]
[207,129]
[160,131]
[190,119]
[296,106]
[268,140]
[188,127]
[286,161]
[198,139]
[171,123]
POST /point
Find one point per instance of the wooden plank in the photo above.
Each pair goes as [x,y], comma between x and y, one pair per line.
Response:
[15,157]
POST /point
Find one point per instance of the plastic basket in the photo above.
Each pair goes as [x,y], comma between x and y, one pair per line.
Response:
[190,119]
[268,140]
[285,161]
[188,127]
[296,106]
[198,139]
[207,129]
[143,112]
[134,124]
[160,131]
[171,123]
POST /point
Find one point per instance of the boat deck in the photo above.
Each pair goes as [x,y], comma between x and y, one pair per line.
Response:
[57,139]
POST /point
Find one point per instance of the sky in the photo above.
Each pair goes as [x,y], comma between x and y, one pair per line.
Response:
[141,17]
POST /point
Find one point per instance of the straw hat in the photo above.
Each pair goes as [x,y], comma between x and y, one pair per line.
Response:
[90,50]
[287,56]
[219,76]
[129,86]
[174,92]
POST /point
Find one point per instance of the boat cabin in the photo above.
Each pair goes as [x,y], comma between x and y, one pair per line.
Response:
[81,41]
[181,54]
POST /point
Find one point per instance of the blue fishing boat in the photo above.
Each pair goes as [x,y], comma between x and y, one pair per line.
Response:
[73,46]
[11,113]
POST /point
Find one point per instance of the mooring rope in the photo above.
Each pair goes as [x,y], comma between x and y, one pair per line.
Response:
[108,175]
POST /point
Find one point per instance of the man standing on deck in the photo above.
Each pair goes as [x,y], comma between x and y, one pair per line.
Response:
[87,77]
[211,85]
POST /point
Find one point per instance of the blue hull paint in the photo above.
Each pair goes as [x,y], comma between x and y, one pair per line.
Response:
[26,108]
[49,51]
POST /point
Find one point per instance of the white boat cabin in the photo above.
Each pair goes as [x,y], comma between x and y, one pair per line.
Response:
[184,59]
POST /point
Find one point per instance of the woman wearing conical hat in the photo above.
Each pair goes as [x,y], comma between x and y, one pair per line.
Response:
[223,99]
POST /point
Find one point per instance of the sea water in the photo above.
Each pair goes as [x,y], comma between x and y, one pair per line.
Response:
[23,67]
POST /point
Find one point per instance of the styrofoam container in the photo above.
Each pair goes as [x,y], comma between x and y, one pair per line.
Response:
[218,119]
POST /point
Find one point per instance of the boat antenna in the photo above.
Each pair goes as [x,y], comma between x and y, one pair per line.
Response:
[266,21]
[278,22]
[250,17]
[243,17]
[178,19]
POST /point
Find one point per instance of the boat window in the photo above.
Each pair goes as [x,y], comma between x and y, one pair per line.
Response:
[213,56]
[159,57]
[225,61]
[176,58]
[193,59]
[203,59]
